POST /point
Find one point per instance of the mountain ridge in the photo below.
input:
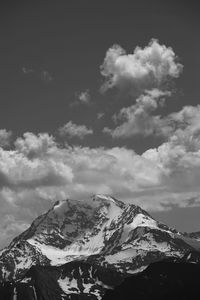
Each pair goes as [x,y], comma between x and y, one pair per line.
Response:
[102,232]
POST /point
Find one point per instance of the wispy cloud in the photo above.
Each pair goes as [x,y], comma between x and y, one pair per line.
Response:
[43,75]
[5,137]
[73,130]
[26,70]
[84,97]
[100,115]
[46,76]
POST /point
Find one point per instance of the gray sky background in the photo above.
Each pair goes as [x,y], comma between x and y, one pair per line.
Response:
[81,116]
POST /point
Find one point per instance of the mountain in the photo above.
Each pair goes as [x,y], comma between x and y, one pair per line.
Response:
[194,235]
[101,235]
[73,280]
[161,280]
[80,280]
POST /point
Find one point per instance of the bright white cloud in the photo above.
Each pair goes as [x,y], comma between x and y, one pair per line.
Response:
[35,145]
[146,68]
[5,137]
[20,171]
[73,130]
[138,118]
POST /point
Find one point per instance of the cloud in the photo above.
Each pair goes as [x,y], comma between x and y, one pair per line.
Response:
[5,137]
[39,171]
[137,119]
[146,68]
[33,176]
[179,156]
[181,128]
[73,130]
[181,169]
[26,70]
[10,228]
[46,76]
[43,75]
[18,171]
[33,145]
[84,97]
[100,115]
[185,122]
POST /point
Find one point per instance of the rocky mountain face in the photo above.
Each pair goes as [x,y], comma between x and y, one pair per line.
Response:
[167,279]
[84,248]
[176,278]
[194,235]
[74,280]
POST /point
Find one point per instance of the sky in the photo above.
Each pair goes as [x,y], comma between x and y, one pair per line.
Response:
[99,97]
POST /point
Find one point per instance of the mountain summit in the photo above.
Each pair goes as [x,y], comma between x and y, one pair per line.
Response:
[102,231]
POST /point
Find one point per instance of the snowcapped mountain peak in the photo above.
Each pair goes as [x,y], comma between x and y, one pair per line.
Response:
[95,201]
[102,197]
[107,200]
[98,204]
[102,229]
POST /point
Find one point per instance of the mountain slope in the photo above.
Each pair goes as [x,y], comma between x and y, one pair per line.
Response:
[194,235]
[74,280]
[103,231]
[79,280]
[165,280]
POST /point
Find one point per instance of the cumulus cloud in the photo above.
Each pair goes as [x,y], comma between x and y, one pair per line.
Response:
[181,128]
[5,137]
[181,169]
[185,122]
[30,183]
[138,119]
[146,68]
[38,172]
[19,171]
[33,145]
[179,156]
[73,130]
